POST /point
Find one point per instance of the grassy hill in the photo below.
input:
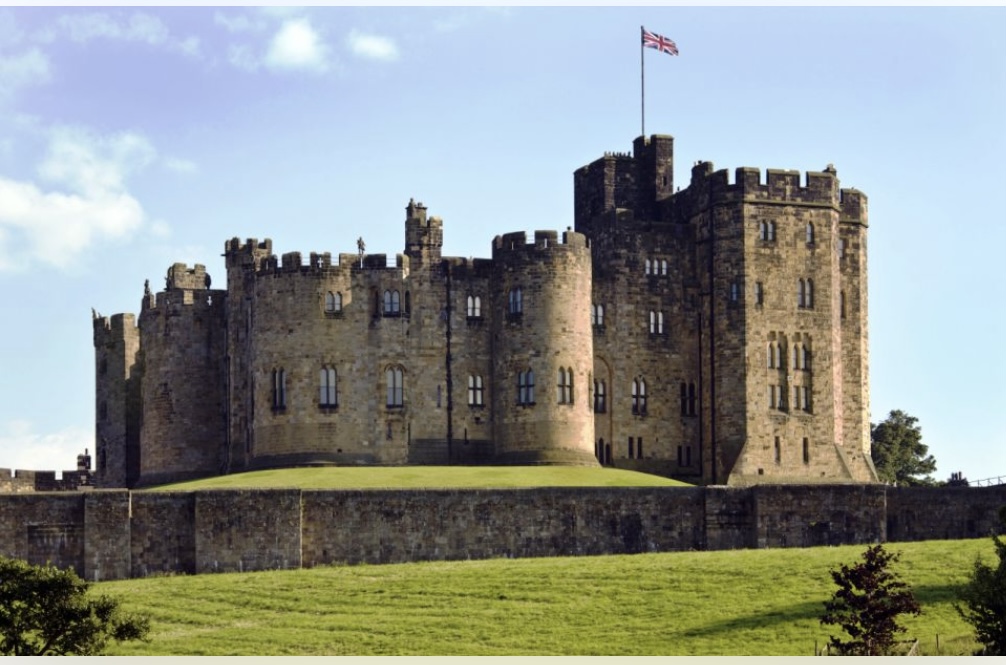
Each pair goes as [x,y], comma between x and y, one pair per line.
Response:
[411,477]
[740,602]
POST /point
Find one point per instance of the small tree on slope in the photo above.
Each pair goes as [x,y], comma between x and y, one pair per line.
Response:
[46,611]
[869,600]
[984,600]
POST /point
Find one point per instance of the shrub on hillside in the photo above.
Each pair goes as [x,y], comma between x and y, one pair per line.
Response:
[47,611]
[869,600]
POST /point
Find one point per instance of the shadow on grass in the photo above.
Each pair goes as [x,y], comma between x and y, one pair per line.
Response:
[809,611]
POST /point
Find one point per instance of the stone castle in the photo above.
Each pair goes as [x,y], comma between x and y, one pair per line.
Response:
[715,333]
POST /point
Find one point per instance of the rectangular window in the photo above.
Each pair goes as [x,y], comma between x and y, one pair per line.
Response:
[396,390]
[515,301]
[525,387]
[329,395]
[631,455]
[778,451]
[600,399]
[278,389]
[475,391]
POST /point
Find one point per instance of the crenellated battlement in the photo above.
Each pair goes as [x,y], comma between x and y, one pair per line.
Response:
[853,207]
[205,299]
[777,185]
[516,243]
[462,267]
[110,329]
[247,255]
[180,276]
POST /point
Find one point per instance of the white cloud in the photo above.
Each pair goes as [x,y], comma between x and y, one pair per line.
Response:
[16,71]
[242,57]
[297,46]
[239,23]
[88,200]
[23,448]
[137,27]
[374,47]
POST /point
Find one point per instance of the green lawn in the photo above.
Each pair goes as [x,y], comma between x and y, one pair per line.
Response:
[740,602]
[411,477]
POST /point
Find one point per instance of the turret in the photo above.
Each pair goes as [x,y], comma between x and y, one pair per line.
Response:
[183,337]
[424,237]
[117,400]
[636,182]
[543,349]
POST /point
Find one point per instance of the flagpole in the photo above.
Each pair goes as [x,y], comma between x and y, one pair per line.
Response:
[642,86]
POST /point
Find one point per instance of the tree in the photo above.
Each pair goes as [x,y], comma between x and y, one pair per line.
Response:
[984,600]
[47,611]
[869,600]
[898,452]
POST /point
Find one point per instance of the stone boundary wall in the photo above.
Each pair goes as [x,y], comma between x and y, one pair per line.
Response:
[118,534]
[43,481]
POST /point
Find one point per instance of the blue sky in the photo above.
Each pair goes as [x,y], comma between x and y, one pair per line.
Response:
[132,138]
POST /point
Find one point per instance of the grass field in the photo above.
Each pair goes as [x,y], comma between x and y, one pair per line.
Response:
[740,602]
[410,477]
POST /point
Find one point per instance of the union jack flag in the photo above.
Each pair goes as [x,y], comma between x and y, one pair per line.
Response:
[663,44]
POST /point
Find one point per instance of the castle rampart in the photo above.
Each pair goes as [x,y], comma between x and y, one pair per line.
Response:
[117,534]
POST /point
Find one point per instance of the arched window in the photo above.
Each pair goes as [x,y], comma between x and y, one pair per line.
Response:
[525,387]
[762,230]
[516,301]
[279,389]
[809,297]
[396,389]
[797,356]
[769,356]
[810,233]
[330,302]
[778,450]
[647,266]
[806,450]
[600,397]
[328,387]
[684,399]
[475,391]
[638,397]
[474,307]
[564,389]
[735,292]
[663,266]
[759,293]
[660,323]
[801,293]
[392,303]
[691,398]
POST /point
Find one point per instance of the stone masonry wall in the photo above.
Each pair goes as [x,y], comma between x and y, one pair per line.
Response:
[114,534]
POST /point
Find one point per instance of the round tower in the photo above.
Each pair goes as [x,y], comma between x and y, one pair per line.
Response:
[542,349]
[183,346]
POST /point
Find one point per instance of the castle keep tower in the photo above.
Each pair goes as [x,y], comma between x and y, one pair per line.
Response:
[716,334]
[747,289]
